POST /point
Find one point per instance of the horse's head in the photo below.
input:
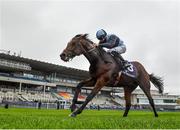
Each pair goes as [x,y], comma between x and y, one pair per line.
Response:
[78,45]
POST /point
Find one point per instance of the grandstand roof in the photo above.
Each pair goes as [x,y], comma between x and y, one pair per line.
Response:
[48,67]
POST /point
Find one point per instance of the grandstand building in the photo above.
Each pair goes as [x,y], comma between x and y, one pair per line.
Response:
[162,101]
[27,80]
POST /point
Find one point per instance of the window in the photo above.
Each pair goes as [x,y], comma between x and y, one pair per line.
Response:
[169,101]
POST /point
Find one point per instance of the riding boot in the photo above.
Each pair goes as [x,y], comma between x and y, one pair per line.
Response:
[118,59]
[123,62]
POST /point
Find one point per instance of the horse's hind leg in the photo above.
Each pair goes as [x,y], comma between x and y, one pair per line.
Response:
[127,94]
[87,83]
[145,86]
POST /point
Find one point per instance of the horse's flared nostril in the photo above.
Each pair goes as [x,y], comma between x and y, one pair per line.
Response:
[62,55]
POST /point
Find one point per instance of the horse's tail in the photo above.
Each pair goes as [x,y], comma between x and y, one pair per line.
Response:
[158,82]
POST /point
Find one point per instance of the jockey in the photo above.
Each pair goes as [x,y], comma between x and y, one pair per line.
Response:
[115,45]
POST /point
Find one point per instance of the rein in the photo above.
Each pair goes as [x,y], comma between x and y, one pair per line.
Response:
[91,49]
[100,53]
[86,52]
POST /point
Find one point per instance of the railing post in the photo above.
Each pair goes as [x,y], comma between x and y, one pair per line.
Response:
[20,87]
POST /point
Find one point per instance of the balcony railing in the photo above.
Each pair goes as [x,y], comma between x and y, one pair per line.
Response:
[13,64]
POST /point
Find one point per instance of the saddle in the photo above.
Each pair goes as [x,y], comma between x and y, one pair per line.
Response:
[125,67]
[120,60]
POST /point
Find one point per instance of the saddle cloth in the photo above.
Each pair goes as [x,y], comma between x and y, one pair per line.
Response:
[131,70]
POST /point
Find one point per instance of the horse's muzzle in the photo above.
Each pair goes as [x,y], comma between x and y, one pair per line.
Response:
[64,57]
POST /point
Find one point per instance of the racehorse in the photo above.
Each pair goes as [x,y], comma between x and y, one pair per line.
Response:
[104,71]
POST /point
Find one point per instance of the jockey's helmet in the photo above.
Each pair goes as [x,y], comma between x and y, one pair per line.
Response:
[101,34]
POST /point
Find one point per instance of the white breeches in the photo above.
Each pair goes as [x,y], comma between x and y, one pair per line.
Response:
[119,49]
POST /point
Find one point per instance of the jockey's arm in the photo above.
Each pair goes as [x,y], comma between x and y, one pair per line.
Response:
[110,43]
[106,44]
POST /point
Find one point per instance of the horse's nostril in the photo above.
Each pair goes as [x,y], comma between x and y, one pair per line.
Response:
[62,55]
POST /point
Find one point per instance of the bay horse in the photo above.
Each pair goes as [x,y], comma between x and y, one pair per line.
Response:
[104,71]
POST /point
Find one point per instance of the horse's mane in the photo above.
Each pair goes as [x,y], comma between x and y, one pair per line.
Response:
[102,51]
[85,36]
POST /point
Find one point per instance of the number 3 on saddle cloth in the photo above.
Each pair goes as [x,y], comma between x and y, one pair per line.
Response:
[130,70]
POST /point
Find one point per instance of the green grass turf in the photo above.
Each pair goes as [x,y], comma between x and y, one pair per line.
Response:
[33,118]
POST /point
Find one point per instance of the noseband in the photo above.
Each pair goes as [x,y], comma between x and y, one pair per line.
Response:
[91,49]
[88,51]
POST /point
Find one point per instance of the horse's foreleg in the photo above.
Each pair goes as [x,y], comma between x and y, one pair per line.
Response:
[99,84]
[127,94]
[87,83]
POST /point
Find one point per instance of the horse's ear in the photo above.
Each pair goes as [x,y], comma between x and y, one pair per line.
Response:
[84,35]
[78,35]
[81,35]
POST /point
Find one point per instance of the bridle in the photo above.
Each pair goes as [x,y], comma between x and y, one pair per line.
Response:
[84,51]
[88,51]
[95,47]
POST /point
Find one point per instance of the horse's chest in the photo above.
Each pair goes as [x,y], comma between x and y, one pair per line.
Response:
[92,69]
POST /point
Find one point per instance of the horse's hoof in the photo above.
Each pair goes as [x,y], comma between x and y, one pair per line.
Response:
[72,115]
[73,110]
[156,115]
[79,112]
[124,115]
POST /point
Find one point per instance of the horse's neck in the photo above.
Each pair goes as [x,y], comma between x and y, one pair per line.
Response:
[90,51]
[98,55]
[93,57]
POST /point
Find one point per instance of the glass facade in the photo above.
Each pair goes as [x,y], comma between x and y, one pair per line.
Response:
[14,64]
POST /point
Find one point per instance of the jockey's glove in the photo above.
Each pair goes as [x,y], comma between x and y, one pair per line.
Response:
[100,45]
